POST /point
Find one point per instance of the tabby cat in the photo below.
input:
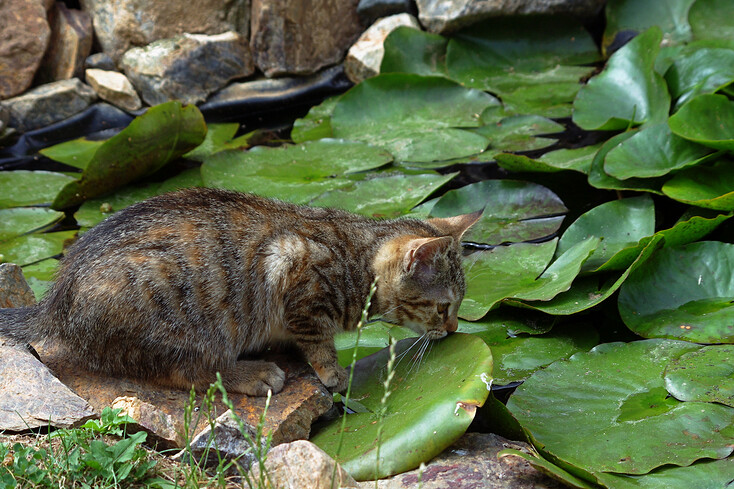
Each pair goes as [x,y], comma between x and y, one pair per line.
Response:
[178,287]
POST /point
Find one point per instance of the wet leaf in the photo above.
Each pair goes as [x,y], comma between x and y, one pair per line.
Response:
[410,50]
[705,70]
[22,187]
[704,474]
[423,416]
[77,153]
[712,19]
[316,124]
[628,91]
[711,187]
[705,375]
[615,394]
[22,220]
[706,119]
[519,132]
[683,292]
[218,138]
[599,179]
[30,248]
[577,159]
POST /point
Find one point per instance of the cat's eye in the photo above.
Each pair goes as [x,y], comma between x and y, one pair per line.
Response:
[442,308]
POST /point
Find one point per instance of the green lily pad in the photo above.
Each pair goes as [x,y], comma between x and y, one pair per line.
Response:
[77,152]
[704,474]
[30,248]
[683,292]
[22,220]
[577,159]
[705,375]
[519,132]
[40,276]
[548,468]
[705,70]
[514,211]
[600,179]
[410,50]
[615,394]
[373,338]
[22,187]
[316,124]
[712,19]
[218,138]
[422,418]
[390,111]
[628,91]
[515,357]
[706,119]
[653,151]
[552,99]
[384,195]
[711,187]
[619,223]
[164,133]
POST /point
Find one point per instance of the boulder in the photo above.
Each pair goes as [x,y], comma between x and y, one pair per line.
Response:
[365,56]
[71,43]
[188,67]
[301,37]
[161,427]
[119,25]
[49,103]
[14,290]
[24,36]
[114,88]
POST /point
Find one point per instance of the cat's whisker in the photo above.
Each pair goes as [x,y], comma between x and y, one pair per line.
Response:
[419,355]
[402,355]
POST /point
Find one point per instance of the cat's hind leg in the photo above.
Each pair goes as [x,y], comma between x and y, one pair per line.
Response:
[251,377]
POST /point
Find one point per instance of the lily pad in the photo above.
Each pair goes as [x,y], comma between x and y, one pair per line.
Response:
[30,248]
[316,124]
[704,70]
[422,418]
[711,187]
[22,187]
[628,92]
[577,159]
[390,111]
[514,211]
[373,338]
[706,119]
[615,394]
[164,133]
[519,133]
[552,99]
[22,220]
[684,292]
[653,151]
[705,375]
[712,19]
[218,138]
[542,465]
[704,474]
[600,179]
[77,152]
[410,50]
[40,276]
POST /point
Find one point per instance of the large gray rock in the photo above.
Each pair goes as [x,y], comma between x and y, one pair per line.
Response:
[71,43]
[49,103]
[301,37]
[123,24]
[187,67]
[441,16]
[114,88]
[24,35]
[14,290]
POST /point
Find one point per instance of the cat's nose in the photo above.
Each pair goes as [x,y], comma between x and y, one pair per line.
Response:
[451,325]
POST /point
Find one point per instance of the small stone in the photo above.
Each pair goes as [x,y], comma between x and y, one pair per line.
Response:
[160,426]
[188,67]
[14,290]
[300,38]
[371,10]
[100,61]
[24,36]
[301,465]
[365,56]
[49,103]
[71,43]
[114,88]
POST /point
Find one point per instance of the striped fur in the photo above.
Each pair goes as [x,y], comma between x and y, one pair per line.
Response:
[178,287]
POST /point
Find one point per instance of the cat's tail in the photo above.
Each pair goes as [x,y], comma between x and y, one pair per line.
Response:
[17,323]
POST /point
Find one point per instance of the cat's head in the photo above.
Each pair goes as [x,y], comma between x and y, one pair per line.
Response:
[421,281]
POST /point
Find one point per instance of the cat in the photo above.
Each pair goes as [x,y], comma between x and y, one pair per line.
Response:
[176,288]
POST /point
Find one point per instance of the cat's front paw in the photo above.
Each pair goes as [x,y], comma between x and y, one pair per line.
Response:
[255,378]
[334,378]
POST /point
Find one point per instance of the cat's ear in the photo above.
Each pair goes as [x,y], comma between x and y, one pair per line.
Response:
[456,226]
[421,255]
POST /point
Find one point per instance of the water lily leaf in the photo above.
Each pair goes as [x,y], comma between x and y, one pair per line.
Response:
[704,70]
[390,111]
[627,17]
[40,276]
[22,187]
[22,220]
[373,338]
[316,124]
[628,92]
[704,474]
[514,211]
[381,196]
[515,357]
[518,133]
[30,248]
[552,99]
[218,138]
[577,159]
[706,119]
[77,152]
[705,375]
[410,50]
[683,292]
[615,393]
[422,418]
[548,468]
[164,133]
[600,179]
[711,187]
[712,19]
[620,223]
[653,151]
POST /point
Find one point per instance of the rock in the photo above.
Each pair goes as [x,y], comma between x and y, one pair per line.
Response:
[188,67]
[119,25]
[364,57]
[301,37]
[303,399]
[71,43]
[24,36]
[301,465]
[114,88]
[470,463]
[49,103]
[371,10]
[14,290]
[440,16]
[100,61]
[161,427]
